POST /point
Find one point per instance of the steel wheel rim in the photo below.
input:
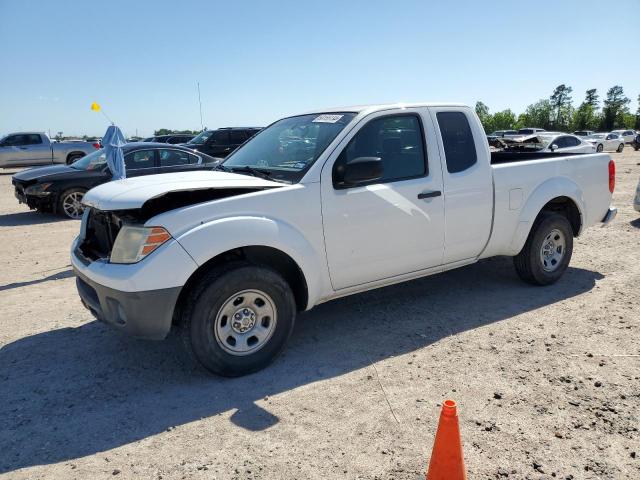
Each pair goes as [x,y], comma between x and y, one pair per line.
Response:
[72,205]
[553,250]
[245,322]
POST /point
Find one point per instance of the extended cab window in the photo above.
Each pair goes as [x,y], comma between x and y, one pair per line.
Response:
[397,140]
[140,159]
[457,140]
[33,139]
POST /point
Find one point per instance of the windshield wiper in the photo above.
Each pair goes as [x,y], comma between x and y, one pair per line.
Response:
[256,172]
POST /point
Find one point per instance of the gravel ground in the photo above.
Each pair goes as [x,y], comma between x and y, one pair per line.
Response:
[547,379]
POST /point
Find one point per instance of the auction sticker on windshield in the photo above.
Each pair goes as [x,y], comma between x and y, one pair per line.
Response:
[327,118]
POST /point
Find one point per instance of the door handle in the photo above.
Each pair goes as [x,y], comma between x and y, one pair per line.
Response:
[434,193]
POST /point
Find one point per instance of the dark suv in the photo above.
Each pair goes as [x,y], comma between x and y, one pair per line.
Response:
[221,142]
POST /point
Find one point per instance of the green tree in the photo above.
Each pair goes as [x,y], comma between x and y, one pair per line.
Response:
[485,117]
[562,108]
[504,120]
[538,115]
[616,105]
[586,117]
[636,123]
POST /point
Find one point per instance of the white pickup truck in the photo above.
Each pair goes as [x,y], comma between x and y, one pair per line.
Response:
[319,206]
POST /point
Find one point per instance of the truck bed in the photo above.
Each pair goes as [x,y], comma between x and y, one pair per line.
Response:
[499,157]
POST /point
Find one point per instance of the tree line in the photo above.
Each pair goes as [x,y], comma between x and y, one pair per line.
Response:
[558,113]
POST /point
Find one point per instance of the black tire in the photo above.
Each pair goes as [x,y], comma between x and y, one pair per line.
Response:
[204,310]
[599,148]
[63,197]
[73,157]
[620,148]
[529,264]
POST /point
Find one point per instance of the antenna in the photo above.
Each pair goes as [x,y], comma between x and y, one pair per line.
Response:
[200,103]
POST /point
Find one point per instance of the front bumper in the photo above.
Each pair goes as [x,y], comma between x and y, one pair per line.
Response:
[36,202]
[145,314]
[611,214]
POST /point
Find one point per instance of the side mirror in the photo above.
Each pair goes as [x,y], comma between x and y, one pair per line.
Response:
[553,147]
[357,171]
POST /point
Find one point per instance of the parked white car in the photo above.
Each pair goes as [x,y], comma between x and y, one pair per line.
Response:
[607,142]
[548,142]
[565,143]
[627,135]
[319,206]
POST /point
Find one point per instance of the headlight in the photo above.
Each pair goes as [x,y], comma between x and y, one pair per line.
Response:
[38,189]
[135,243]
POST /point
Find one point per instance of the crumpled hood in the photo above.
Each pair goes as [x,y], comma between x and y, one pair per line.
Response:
[132,193]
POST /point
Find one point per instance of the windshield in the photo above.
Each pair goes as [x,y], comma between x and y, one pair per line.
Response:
[94,161]
[201,137]
[287,148]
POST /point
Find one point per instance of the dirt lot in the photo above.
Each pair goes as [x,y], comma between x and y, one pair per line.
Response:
[547,379]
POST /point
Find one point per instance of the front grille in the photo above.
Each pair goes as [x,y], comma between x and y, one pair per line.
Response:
[101,232]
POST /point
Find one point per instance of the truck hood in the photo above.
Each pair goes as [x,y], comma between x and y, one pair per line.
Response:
[183,188]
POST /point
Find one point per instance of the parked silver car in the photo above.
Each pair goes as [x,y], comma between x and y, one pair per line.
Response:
[26,149]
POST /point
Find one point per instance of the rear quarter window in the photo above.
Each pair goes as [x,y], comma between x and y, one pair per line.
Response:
[457,141]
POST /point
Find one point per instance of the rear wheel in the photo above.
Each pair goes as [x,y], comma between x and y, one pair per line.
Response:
[599,148]
[547,252]
[73,157]
[238,318]
[70,203]
[620,148]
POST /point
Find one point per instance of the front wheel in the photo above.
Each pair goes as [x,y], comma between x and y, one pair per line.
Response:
[238,319]
[620,148]
[70,203]
[547,251]
[599,148]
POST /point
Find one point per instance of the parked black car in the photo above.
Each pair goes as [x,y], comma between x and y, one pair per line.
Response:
[173,139]
[60,188]
[636,143]
[223,141]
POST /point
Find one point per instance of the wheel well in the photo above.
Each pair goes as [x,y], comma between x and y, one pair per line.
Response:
[567,207]
[75,154]
[259,255]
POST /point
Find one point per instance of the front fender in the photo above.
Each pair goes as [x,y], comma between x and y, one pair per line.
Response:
[210,239]
[545,192]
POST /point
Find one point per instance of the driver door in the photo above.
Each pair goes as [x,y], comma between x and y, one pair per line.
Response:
[391,226]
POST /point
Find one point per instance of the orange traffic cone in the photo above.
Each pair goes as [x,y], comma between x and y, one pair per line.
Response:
[447,462]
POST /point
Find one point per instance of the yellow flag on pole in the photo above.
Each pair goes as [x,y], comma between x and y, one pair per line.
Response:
[95,107]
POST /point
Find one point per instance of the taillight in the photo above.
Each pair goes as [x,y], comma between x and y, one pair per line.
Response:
[97,146]
[612,175]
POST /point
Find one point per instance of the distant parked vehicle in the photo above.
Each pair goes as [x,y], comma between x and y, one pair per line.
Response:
[607,141]
[60,188]
[627,135]
[584,133]
[530,131]
[26,149]
[502,133]
[636,143]
[221,142]
[549,142]
[173,139]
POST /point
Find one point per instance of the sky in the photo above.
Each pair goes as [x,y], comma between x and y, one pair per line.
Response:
[257,61]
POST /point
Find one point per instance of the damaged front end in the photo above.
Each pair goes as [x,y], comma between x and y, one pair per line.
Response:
[100,228]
